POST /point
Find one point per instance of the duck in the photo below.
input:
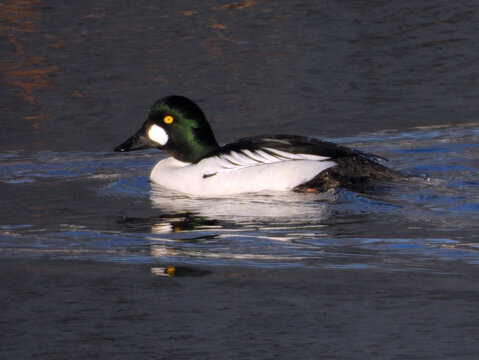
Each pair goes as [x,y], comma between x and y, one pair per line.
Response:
[197,165]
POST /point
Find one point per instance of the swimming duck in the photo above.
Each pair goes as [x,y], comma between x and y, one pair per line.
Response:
[199,166]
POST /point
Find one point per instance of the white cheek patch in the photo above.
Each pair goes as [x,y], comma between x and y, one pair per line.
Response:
[158,135]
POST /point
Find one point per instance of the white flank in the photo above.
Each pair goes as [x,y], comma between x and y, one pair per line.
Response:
[240,172]
[158,135]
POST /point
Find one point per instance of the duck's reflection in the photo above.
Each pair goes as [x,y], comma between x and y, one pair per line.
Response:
[252,227]
[181,213]
[254,208]
[167,222]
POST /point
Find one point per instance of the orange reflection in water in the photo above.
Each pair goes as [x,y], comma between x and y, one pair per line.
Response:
[21,71]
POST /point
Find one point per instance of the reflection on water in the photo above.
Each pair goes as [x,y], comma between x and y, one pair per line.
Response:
[102,206]
[247,208]
[171,271]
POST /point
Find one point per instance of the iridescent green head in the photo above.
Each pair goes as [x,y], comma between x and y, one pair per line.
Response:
[176,125]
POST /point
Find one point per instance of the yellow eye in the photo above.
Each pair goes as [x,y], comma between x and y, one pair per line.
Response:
[168,119]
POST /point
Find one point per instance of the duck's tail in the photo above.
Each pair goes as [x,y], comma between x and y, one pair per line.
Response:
[358,174]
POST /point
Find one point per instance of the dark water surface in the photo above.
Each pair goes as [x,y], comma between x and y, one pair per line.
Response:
[399,79]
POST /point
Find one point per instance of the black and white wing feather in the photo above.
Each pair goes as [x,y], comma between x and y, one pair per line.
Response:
[350,166]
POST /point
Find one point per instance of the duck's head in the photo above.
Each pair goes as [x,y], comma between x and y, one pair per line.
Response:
[176,125]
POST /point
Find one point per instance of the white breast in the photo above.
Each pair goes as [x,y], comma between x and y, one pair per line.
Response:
[239,172]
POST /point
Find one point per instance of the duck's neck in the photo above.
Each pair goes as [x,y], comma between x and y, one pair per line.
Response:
[193,153]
